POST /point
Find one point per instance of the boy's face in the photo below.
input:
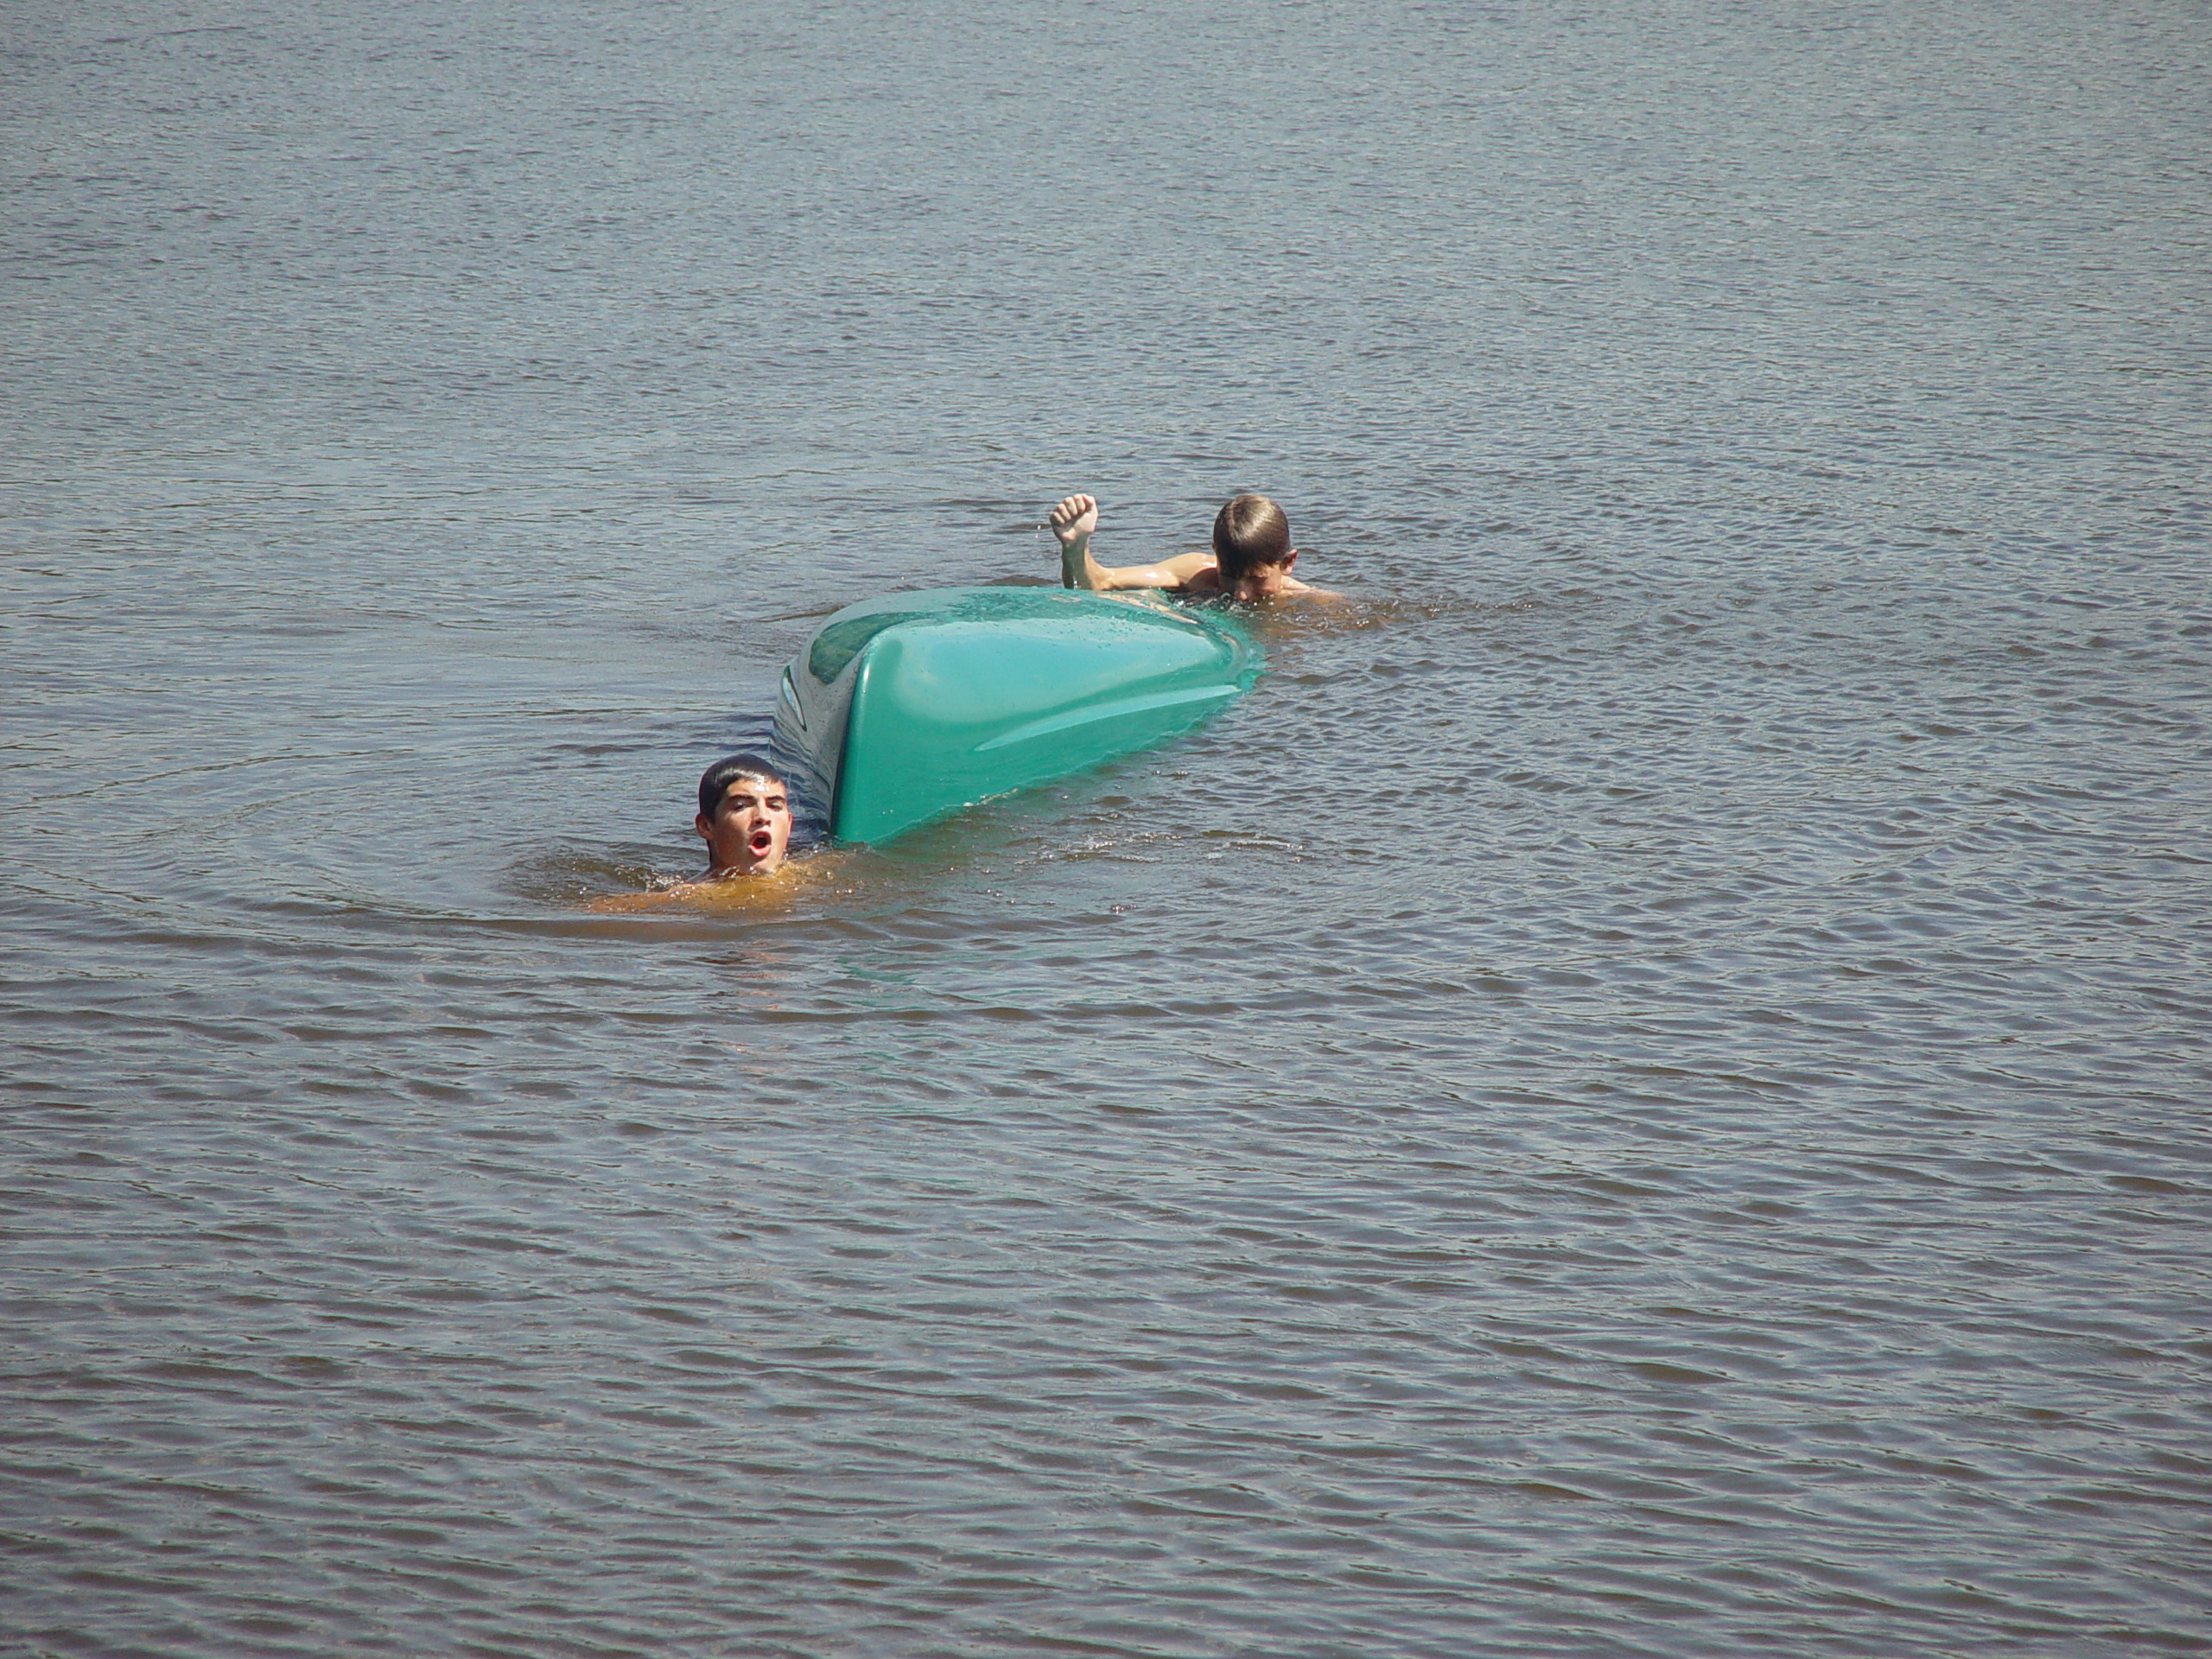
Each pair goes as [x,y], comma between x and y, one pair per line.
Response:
[1266,581]
[751,828]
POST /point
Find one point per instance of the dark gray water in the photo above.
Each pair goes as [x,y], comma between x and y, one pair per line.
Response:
[1643,1094]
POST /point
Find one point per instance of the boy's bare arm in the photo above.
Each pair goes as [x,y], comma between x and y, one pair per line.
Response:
[1072,523]
[1074,520]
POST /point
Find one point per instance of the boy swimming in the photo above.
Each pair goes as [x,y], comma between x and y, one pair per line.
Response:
[745,819]
[1251,559]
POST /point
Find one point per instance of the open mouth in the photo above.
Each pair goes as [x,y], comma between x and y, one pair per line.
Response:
[760,841]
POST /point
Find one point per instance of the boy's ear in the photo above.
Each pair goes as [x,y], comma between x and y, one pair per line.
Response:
[705,826]
[1289,559]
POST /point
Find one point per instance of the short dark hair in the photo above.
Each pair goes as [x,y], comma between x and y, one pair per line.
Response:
[1251,530]
[715,783]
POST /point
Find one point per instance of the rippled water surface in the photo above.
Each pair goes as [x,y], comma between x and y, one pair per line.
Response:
[1643,1094]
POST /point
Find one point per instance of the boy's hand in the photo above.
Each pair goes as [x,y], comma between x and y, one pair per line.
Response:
[1074,519]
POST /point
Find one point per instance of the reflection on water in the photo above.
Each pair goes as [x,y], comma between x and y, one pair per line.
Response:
[1639,1094]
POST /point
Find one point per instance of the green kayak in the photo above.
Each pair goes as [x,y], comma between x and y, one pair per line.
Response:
[907,708]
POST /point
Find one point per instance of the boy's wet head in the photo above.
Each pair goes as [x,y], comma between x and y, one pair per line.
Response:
[1253,543]
[745,816]
[1250,530]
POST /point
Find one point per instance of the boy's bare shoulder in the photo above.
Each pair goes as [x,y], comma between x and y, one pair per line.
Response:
[638,904]
[773,891]
[714,893]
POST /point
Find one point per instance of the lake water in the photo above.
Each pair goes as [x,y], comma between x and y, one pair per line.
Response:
[1644,1094]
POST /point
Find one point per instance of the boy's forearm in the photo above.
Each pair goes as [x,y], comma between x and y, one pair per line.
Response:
[1079,569]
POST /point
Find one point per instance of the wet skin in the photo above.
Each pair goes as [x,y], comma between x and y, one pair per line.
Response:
[1076,518]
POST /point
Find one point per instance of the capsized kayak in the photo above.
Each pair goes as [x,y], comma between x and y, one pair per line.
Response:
[907,708]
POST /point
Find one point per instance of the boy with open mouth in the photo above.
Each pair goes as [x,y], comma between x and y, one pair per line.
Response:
[745,817]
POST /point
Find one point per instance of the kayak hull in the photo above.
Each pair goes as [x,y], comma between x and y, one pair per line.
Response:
[903,710]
